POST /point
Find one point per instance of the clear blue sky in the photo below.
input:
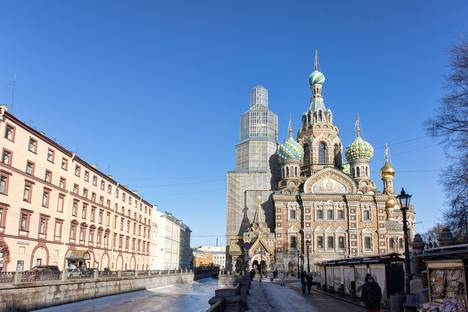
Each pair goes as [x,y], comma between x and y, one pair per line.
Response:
[152,91]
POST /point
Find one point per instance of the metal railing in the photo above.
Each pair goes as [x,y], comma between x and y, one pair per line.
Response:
[218,306]
[15,278]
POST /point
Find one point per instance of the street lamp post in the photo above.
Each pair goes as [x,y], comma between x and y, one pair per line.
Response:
[308,247]
[405,199]
[298,263]
[261,266]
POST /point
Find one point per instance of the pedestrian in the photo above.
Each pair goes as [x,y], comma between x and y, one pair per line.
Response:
[282,277]
[371,294]
[303,282]
[309,282]
[252,274]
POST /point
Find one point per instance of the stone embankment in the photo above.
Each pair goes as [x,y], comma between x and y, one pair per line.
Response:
[20,293]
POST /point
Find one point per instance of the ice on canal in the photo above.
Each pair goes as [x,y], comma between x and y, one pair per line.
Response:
[176,298]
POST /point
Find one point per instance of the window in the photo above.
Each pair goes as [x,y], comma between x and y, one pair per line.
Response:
[93,214]
[45,198]
[366,215]
[3,185]
[82,234]
[50,155]
[322,153]
[58,230]
[85,192]
[129,200]
[77,170]
[121,224]
[24,221]
[3,211]
[103,185]
[27,193]
[64,164]
[128,226]
[48,176]
[330,242]
[75,208]
[30,168]
[117,193]
[73,232]
[368,243]
[292,214]
[306,154]
[341,242]
[108,219]
[400,243]
[6,157]
[101,200]
[340,214]
[127,241]
[109,189]
[319,241]
[10,132]
[42,225]
[330,214]
[94,180]
[86,175]
[60,202]
[123,197]
[76,188]
[120,240]
[83,211]
[392,244]
[32,146]
[320,214]
[98,238]
[93,197]
[63,182]
[91,236]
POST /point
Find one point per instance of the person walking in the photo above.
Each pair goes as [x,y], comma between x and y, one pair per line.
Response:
[309,282]
[371,294]
[282,277]
[303,282]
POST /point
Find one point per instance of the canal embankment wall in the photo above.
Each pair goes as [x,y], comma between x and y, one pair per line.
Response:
[35,295]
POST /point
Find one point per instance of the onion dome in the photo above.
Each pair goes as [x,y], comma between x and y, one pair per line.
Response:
[290,149]
[316,77]
[387,170]
[359,149]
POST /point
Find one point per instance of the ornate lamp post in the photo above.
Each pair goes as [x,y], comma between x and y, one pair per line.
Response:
[261,265]
[308,248]
[298,263]
[405,199]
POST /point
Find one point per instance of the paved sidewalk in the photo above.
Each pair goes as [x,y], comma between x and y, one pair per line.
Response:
[267,296]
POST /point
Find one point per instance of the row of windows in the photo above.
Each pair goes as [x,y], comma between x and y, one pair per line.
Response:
[330,240]
[32,147]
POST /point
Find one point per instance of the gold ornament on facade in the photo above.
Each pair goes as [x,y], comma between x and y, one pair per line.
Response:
[387,170]
[391,202]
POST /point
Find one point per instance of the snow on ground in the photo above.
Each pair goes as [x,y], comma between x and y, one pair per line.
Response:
[270,297]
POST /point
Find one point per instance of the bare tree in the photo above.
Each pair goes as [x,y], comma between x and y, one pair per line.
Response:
[451,126]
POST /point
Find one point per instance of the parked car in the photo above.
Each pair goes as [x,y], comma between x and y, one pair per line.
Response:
[74,273]
[43,272]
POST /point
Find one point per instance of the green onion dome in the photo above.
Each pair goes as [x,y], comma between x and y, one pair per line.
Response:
[290,149]
[359,149]
[316,77]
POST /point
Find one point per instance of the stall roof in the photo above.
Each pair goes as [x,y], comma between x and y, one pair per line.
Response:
[446,252]
[78,255]
[386,258]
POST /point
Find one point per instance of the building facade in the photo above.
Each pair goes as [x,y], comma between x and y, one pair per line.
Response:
[215,254]
[172,247]
[257,171]
[57,209]
[325,207]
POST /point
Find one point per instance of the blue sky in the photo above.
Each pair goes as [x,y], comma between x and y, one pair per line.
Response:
[152,91]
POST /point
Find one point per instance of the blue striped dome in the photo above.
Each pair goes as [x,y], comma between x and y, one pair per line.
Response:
[316,77]
[290,149]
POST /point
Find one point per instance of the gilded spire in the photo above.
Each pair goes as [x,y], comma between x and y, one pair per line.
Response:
[387,170]
[386,152]
[316,63]
[357,126]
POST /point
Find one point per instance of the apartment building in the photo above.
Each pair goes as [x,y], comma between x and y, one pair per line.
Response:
[58,209]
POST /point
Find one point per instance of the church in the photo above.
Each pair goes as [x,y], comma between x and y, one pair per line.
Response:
[302,203]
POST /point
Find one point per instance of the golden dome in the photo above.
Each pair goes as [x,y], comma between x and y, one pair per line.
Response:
[387,170]
[391,202]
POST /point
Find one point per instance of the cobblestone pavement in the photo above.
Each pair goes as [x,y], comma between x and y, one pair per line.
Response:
[272,297]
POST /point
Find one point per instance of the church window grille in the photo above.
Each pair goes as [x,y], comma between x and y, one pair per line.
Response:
[352,172]
[292,214]
[330,214]
[330,242]
[322,153]
[341,242]
[306,154]
[392,244]
[287,171]
[293,242]
[358,174]
[340,214]
[319,241]
[319,214]
[368,243]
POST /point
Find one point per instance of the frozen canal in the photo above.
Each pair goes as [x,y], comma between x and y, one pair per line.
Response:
[177,298]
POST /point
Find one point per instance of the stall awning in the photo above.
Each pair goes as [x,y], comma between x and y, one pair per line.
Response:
[78,255]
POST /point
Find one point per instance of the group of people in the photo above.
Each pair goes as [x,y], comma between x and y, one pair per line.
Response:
[306,282]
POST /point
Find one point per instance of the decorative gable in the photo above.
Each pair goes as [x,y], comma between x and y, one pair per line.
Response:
[329,181]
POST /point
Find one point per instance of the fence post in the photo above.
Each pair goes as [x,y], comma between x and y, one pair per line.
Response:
[119,274]
[95,274]
[17,279]
[64,276]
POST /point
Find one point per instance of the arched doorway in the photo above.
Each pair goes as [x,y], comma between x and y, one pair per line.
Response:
[119,263]
[40,256]
[4,256]
[104,261]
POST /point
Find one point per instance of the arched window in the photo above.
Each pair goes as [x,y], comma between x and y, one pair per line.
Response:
[295,172]
[400,243]
[367,171]
[306,154]
[362,170]
[322,153]
[358,174]
[352,172]
[287,171]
